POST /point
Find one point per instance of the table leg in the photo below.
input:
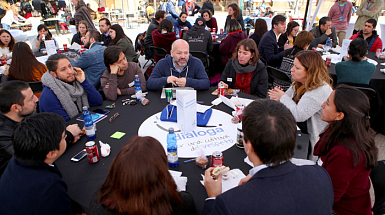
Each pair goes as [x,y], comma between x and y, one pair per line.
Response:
[57,27]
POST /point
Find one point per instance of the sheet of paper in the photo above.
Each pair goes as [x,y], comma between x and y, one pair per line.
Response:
[42,59]
[216,101]
[50,47]
[231,181]
[344,48]
[227,102]
[244,101]
[75,46]
[186,101]
[180,180]
[335,58]
[118,135]
[372,61]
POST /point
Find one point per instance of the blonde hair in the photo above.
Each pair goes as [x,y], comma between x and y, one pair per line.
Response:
[316,73]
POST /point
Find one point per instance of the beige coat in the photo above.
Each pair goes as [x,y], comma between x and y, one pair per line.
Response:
[364,14]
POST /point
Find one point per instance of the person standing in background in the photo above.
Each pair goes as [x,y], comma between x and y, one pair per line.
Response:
[369,9]
[340,13]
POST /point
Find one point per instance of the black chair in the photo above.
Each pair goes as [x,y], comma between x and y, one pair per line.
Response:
[36,86]
[279,78]
[149,59]
[161,52]
[203,57]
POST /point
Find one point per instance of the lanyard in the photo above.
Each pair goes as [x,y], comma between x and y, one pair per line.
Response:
[367,7]
[342,12]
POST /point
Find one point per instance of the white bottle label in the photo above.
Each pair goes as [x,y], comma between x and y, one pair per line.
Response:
[172,157]
[90,131]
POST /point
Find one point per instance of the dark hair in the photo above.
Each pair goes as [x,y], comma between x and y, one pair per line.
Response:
[372,21]
[37,135]
[271,129]
[249,45]
[290,27]
[358,49]
[303,38]
[181,13]
[10,93]
[236,9]
[355,106]
[233,25]
[111,55]
[139,181]
[11,43]
[94,34]
[277,19]
[52,61]
[159,14]
[119,34]
[206,11]
[106,20]
[42,26]
[24,65]
[83,22]
[167,25]
[260,27]
[323,20]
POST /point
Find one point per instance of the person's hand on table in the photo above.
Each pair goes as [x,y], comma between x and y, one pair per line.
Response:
[226,85]
[185,28]
[181,82]
[75,131]
[118,91]
[114,68]
[276,93]
[209,29]
[328,32]
[213,187]
[80,77]
[244,180]
[320,45]
[346,58]
[172,79]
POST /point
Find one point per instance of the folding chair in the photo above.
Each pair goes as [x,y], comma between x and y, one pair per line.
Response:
[279,78]
[203,57]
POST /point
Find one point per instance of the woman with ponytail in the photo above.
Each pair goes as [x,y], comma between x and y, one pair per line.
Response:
[355,68]
[346,149]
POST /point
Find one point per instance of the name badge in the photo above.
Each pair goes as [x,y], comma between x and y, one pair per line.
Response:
[341,18]
[229,79]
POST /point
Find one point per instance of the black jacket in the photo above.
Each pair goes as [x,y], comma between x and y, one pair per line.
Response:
[208,6]
[269,51]
[105,39]
[239,19]
[6,148]
[199,39]
[77,39]
[148,38]
[258,85]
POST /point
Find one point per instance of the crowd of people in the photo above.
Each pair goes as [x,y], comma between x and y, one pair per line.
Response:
[335,117]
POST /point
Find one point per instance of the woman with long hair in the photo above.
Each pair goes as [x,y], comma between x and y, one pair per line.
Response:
[290,34]
[355,68]
[234,36]
[346,149]
[82,31]
[260,27]
[245,71]
[7,43]
[81,13]
[163,37]
[24,65]
[235,13]
[124,42]
[190,7]
[311,87]
[139,183]
[11,16]
[211,22]
[43,34]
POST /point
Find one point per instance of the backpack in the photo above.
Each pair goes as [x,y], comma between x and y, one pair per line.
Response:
[148,72]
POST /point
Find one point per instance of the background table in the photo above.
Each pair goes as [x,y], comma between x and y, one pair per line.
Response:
[83,179]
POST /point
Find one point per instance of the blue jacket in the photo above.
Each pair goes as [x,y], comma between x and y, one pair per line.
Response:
[285,189]
[92,63]
[48,101]
[170,9]
[194,71]
[269,51]
[37,189]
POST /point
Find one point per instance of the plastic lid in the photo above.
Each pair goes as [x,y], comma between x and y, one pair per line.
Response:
[171,130]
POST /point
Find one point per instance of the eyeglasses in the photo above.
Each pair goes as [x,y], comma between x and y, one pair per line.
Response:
[112,118]
[129,102]
[183,17]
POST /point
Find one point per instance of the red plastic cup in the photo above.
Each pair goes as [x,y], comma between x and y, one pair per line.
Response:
[65,47]
[214,37]
[270,15]
[328,61]
[214,30]
[221,30]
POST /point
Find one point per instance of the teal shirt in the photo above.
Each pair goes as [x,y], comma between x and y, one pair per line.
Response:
[354,72]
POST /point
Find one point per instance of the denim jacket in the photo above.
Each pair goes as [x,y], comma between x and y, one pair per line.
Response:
[92,63]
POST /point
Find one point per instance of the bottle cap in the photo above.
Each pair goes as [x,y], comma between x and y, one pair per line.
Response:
[171,130]
[136,76]
[85,108]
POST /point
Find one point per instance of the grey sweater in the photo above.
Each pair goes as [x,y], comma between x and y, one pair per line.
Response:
[309,109]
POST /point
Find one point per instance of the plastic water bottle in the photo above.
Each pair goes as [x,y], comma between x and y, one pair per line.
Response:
[328,44]
[88,124]
[138,89]
[172,148]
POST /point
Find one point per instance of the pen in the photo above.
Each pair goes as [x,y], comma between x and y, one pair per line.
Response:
[187,161]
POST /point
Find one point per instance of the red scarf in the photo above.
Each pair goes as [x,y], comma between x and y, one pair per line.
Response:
[235,32]
[243,81]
